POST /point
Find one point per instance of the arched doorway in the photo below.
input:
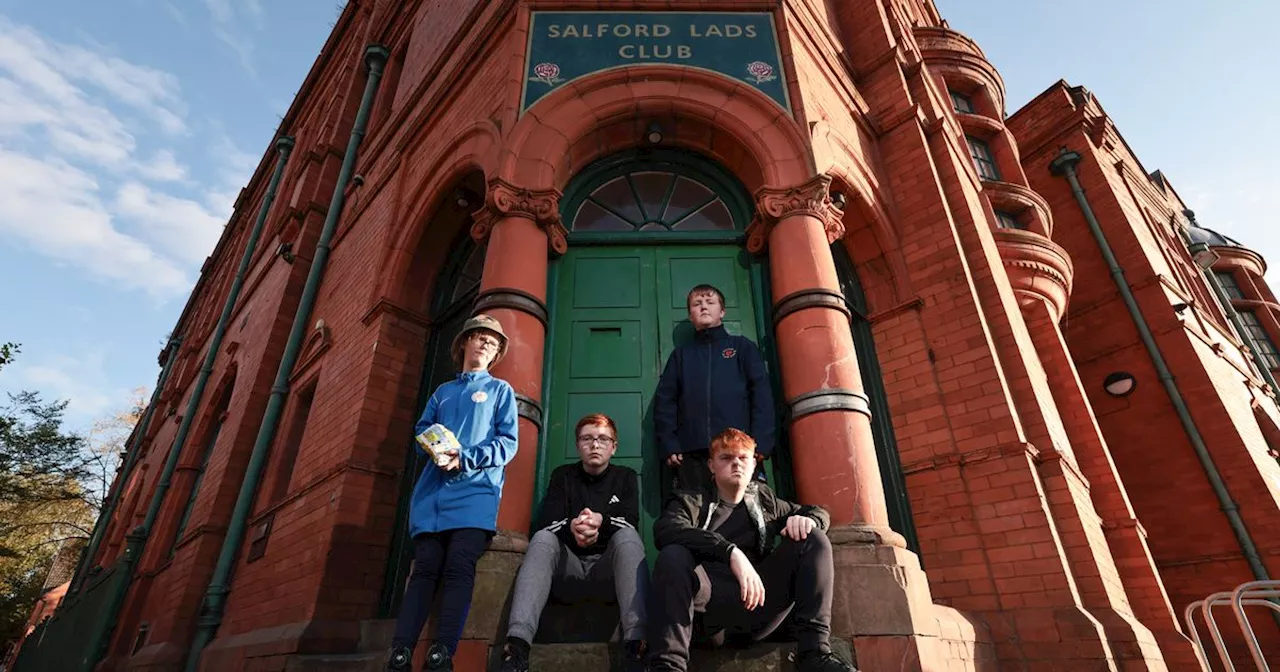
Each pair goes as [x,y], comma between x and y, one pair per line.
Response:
[644,228]
[891,476]
[455,295]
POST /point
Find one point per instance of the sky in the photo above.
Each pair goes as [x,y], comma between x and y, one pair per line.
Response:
[128,127]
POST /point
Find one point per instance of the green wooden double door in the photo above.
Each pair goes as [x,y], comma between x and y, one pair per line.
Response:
[618,312]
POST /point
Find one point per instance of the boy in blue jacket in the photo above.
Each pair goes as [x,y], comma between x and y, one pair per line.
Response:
[710,384]
[454,509]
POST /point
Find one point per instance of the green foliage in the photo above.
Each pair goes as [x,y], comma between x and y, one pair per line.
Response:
[43,499]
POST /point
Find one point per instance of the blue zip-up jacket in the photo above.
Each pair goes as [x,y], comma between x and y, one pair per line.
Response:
[715,382]
[481,411]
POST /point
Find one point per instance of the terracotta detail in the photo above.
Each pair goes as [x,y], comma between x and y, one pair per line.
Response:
[1038,268]
[810,199]
[507,200]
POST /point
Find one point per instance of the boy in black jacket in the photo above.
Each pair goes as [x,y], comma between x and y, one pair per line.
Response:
[716,381]
[717,560]
[587,544]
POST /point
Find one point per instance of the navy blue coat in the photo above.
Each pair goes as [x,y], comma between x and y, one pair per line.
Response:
[715,382]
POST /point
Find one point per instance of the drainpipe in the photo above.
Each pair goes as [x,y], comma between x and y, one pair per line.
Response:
[1065,166]
[137,538]
[131,460]
[215,598]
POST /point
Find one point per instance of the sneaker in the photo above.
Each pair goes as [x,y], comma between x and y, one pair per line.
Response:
[514,660]
[821,661]
[633,659]
[400,660]
[438,659]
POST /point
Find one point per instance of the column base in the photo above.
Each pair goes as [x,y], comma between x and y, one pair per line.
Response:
[882,604]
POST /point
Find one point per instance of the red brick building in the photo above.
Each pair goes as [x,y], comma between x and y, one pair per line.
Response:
[964,345]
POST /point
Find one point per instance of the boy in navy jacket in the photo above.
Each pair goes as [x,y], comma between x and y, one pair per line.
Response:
[454,509]
[715,382]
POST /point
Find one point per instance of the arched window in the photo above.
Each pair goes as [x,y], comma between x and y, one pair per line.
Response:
[656,191]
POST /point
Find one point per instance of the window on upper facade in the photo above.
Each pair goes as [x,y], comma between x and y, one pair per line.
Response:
[211,440]
[1005,220]
[982,159]
[1229,285]
[961,103]
[1261,341]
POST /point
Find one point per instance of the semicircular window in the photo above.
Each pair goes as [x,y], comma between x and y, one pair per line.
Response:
[652,200]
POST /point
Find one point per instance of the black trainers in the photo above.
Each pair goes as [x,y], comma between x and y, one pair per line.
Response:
[514,660]
[633,659]
[821,661]
[438,659]
[400,660]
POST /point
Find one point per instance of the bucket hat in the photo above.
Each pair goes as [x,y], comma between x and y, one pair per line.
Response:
[474,323]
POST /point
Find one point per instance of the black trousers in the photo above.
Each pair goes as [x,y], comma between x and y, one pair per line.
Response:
[797,579]
[440,557]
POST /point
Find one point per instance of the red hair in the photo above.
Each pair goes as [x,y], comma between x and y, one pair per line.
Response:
[733,440]
[596,419]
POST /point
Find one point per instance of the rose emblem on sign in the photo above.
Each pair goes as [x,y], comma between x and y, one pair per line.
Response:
[760,72]
[547,73]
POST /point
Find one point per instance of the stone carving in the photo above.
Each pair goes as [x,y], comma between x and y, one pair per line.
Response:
[811,199]
[507,200]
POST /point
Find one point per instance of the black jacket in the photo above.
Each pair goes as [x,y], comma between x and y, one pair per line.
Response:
[715,382]
[614,494]
[688,513]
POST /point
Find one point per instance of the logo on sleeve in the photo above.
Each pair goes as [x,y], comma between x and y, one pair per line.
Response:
[728,353]
[479,397]
[614,499]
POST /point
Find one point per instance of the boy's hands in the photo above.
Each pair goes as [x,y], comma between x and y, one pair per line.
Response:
[751,587]
[454,463]
[586,527]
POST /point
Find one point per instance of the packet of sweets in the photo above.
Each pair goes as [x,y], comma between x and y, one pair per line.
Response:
[436,441]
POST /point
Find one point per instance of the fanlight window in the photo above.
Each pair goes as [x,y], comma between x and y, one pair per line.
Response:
[650,200]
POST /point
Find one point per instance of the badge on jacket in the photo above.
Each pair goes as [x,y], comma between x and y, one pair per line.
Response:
[728,353]
[479,397]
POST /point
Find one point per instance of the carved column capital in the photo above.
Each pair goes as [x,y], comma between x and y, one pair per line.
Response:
[504,199]
[773,205]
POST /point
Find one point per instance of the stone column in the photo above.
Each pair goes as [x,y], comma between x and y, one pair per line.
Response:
[882,602]
[523,228]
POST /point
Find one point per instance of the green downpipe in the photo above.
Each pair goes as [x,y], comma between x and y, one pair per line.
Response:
[131,460]
[1065,166]
[137,538]
[215,598]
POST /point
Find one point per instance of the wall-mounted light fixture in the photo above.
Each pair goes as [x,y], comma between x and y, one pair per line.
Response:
[1120,384]
[285,251]
[653,134]
[1180,307]
[837,199]
[1203,255]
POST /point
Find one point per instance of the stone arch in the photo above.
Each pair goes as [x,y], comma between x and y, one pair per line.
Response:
[462,163]
[700,111]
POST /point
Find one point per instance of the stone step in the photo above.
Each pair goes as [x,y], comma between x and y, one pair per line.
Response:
[764,657]
[354,662]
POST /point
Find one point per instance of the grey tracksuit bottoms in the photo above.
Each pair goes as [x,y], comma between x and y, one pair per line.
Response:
[549,566]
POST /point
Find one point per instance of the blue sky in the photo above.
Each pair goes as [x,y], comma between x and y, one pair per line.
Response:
[127,128]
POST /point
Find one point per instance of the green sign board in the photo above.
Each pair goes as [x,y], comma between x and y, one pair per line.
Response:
[564,46]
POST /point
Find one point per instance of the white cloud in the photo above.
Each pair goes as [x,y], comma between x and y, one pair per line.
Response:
[79,380]
[182,227]
[55,208]
[74,184]
[163,167]
[230,18]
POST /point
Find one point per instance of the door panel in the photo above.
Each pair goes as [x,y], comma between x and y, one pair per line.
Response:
[617,314]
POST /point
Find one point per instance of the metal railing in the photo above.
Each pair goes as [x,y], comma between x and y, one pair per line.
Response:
[1250,593]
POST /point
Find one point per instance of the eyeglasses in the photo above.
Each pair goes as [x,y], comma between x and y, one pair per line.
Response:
[605,441]
[486,342]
